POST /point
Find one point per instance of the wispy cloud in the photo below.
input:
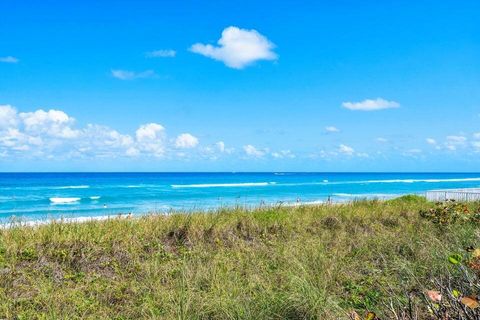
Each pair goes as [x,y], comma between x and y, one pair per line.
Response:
[132,75]
[331,129]
[283,154]
[253,151]
[476,145]
[238,48]
[414,153]
[165,53]
[371,105]
[9,59]
[454,142]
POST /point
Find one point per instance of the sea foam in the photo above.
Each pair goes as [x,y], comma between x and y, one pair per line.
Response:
[59,200]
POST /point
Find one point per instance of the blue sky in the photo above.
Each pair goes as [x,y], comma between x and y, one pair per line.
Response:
[247,86]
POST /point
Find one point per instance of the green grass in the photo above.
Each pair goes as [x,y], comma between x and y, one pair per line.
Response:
[312,262]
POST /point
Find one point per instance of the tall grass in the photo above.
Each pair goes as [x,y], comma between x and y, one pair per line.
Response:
[309,262]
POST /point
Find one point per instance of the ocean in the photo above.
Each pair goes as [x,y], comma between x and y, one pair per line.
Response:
[43,196]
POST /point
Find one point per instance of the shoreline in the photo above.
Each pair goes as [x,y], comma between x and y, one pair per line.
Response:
[261,205]
[85,219]
[69,218]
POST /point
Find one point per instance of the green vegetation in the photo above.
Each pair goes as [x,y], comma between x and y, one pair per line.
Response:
[309,262]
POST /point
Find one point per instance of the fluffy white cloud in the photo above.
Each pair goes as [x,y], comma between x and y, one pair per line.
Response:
[55,123]
[8,116]
[106,136]
[148,132]
[431,141]
[253,152]
[371,105]
[53,134]
[132,75]
[381,140]
[9,59]
[168,53]
[332,129]
[14,140]
[346,149]
[151,139]
[238,48]
[185,141]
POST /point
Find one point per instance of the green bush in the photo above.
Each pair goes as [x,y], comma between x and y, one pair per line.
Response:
[451,211]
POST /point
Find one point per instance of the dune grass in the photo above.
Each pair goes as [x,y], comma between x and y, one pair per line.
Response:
[311,262]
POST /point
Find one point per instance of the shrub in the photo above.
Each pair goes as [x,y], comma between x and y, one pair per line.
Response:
[451,211]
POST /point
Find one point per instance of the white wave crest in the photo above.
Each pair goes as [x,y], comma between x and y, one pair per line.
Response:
[326,182]
[223,185]
[420,180]
[366,195]
[59,200]
[75,187]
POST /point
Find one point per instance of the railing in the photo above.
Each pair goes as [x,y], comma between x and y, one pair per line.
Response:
[458,195]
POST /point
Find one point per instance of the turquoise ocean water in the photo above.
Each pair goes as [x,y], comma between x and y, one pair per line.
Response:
[36,196]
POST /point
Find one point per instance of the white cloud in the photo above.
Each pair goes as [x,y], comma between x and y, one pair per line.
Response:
[149,132]
[8,116]
[331,129]
[283,154]
[456,139]
[55,123]
[53,134]
[9,59]
[151,138]
[221,146]
[371,105]
[97,140]
[132,75]
[381,140]
[108,137]
[476,145]
[185,141]
[431,141]
[238,48]
[253,152]
[454,142]
[346,149]
[413,153]
[166,53]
